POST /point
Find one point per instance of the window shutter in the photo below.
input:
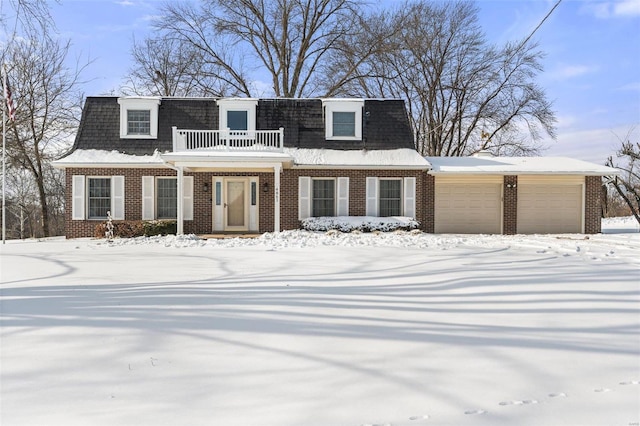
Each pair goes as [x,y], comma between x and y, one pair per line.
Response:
[148,197]
[304,197]
[117,197]
[77,190]
[410,197]
[343,196]
[187,197]
[372,196]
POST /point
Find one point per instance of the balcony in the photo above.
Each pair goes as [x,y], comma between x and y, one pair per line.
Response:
[228,140]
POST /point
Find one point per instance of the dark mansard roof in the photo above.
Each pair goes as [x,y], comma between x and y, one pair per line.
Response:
[385,124]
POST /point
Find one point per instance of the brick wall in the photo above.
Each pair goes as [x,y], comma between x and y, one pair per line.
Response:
[429,203]
[132,204]
[203,201]
[592,208]
[357,192]
[510,205]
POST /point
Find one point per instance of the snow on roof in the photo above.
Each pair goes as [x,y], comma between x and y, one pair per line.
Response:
[516,165]
[392,158]
[395,158]
[97,157]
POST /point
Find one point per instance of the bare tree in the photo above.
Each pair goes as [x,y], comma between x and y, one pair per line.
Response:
[288,39]
[168,66]
[628,184]
[48,104]
[31,15]
[463,94]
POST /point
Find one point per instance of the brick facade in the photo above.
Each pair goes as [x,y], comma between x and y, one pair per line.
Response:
[592,204]
[357,188]
[510,205]
[203,200]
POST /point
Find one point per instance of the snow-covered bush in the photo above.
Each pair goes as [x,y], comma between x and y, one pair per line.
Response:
[137,228]
[359,223]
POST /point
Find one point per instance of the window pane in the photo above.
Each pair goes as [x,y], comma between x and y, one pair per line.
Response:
[218,193]
[254,193]
[138,122]
[344,124]
[167,198]
[237,120]
[323,197]
[390,197]
[99,197]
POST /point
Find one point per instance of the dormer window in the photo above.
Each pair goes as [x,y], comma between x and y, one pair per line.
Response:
[238,120]
[139,117]
[344,124]
[138,122]
[343,119]
[238,114]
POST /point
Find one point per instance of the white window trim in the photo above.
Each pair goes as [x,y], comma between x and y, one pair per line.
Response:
[402,197]
[407,193]
[335,194]
[88,199]
[116,197]
[342,105]
[150,104]
[150,200]
[248,105]
[155,197]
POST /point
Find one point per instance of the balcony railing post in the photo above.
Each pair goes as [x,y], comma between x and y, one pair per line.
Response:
[174,137]
[227,140]
[281,138]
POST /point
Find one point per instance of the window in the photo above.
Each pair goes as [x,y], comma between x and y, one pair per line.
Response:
[344,123]
[138,122]
[167,198]
[139,117]
[99,197]
[254,193]
[324,200]
[390,198]
[343,119]
[238,114]
[237,120]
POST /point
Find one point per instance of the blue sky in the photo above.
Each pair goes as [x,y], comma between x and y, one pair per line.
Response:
[592,63]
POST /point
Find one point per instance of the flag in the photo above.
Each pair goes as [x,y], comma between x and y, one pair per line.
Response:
[7,96]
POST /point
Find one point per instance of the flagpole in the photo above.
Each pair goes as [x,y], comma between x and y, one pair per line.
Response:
[4,138]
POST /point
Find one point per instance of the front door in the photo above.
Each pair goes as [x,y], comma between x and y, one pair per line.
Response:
[236,206]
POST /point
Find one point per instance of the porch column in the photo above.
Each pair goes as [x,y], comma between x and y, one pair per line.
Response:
[180,202]
[277,169]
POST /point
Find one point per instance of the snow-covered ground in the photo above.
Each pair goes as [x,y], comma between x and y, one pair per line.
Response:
[323,329]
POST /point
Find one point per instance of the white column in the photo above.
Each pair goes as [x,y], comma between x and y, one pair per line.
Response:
[180,202]
[276,193]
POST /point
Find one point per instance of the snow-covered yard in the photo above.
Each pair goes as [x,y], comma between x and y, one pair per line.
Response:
[323,329]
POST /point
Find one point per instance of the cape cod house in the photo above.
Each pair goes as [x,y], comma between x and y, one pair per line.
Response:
[262,165]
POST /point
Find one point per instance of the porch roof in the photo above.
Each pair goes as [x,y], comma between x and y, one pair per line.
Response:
[290,157]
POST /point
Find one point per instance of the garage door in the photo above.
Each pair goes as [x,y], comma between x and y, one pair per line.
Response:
[470,206]
[549,206]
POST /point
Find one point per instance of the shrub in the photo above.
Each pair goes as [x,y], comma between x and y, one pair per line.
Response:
[121,228]
[361,224]
[137,228]
[160,227]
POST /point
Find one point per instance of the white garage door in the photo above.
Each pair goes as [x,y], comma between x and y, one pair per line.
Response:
[470,206]
[551,206]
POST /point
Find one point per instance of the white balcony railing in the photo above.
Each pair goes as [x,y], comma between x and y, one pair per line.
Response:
[228,140]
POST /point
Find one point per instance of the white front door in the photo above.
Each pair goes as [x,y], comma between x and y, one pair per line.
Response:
[236,204]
